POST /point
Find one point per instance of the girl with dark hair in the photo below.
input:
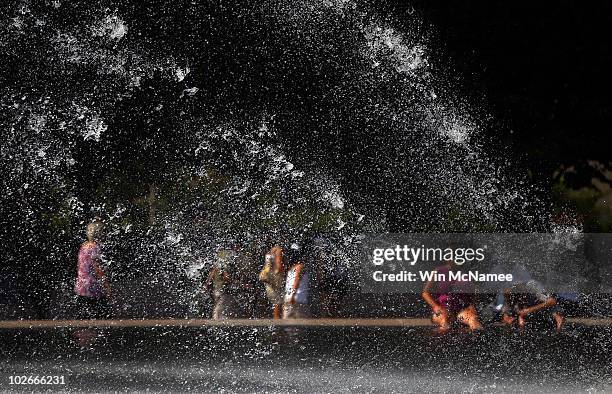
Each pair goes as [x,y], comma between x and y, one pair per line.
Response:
[452,300]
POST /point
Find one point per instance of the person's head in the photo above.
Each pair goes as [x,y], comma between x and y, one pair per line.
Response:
[94,231]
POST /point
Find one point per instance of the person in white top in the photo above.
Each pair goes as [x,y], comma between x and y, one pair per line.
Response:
[297,288]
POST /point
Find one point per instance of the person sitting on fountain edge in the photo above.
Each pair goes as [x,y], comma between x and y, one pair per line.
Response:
[453,300]
[528,301]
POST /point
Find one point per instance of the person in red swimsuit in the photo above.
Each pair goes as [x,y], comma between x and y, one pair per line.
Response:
[453,301]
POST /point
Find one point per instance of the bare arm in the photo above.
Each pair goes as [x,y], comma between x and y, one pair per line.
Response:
[426,294]
[278,256]
[549,302]
[263,275]
[210,278]
[296,281]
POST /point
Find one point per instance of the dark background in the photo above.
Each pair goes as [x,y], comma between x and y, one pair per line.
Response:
[543,67]
[539,70]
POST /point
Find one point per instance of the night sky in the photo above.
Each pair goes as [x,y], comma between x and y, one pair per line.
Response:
[543,68]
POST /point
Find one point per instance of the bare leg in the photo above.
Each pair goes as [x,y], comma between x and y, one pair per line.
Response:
[277,311]
[469,317]
[521,323]
[216,311]
[441,320]
[559,320]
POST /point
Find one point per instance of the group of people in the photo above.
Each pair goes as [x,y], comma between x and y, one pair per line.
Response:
[524,302]
[286,278]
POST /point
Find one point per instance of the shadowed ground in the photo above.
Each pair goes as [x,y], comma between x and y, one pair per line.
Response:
[337,358]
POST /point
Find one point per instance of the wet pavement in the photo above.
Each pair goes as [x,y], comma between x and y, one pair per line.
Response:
[334,359]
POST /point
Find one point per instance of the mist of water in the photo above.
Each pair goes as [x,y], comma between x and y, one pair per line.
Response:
[242,177]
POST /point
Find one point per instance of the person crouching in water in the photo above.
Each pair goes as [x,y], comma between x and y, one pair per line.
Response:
[273,277]
[453,301]
[92,287]
[528,301]
[297,287]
